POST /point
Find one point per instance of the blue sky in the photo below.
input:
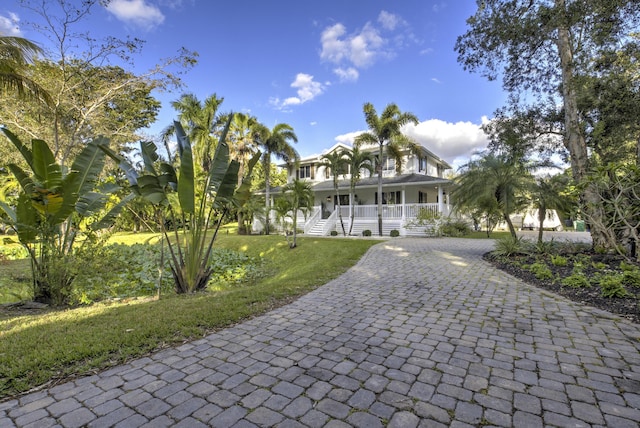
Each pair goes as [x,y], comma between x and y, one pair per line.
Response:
[310,64]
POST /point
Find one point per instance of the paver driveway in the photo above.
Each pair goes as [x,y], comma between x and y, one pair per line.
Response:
[421,332]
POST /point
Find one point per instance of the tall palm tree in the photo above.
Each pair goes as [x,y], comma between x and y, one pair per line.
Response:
[275,142]
[200,120]
[358,161]
[493,181]
[386,131]
[336,164]
[15,54]
[243,144]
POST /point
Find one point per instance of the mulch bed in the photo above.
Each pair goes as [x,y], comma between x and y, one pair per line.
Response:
[626,307]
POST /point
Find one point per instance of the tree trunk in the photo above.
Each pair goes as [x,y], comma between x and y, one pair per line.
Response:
[512,229]
[379,167]
[542,213]
[574,140]
[352,213]
[267,165]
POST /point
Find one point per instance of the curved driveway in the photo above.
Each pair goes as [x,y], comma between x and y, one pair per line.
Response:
[421,332]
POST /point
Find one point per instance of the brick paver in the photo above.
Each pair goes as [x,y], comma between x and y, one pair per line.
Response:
[421,332]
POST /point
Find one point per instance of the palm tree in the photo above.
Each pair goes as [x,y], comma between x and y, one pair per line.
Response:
[357,161]
[15,54]
[299,197]
[549,193]
[200,120]
[336,163]
[493,181]
[275,142]
[385,130]
[243,144]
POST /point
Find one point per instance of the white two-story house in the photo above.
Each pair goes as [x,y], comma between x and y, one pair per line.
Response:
[420,185]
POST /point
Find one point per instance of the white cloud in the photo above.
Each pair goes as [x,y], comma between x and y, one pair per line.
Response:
[363,48]
[426,51]
[136,12]
[436,80]
[348,138]
[313,123]
[389,21]
[349,74]
[454,142]
[307,90]
[9,25]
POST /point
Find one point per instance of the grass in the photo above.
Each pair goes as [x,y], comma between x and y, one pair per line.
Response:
[41,349]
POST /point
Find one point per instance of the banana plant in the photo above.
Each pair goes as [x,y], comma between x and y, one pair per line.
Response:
[55,205]
[194,205]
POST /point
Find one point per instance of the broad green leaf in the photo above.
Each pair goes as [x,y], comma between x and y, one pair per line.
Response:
[24,150]
[220,163]
[45,168]
[168,176]
[186,184]
[243,193]
[129,171]
[91,203]
[149,153]
[108,219]
[88,164]
[181,137]
[26,219]
[25,181]
[150,189]
[229,182]
[9,211]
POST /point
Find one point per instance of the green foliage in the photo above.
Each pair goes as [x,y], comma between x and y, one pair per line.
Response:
[201,204]
[366,232]
[546,247]
[509,246]
[296,197]
[334,233]
[394,233]
[13,252]
[598,265]
[558,260]
[454,227]
[612,285]
[540,270]
[55,206]
[631,274]
[576,279]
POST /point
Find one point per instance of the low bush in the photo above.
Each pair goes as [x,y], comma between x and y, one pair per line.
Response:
[576,280]
[540,270]
[509,246]
[366,232]
[612,285]
[559,260]
[394,233]
[455,228]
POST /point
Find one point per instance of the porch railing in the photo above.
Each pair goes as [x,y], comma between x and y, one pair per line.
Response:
[312,219]
[396,211]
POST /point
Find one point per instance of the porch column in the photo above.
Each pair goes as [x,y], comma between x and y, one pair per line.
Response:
[440,200]
[403,198]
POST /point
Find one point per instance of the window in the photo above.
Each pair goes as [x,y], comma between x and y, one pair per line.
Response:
[305,171]
[422,197]
[422,164]
[388,164]
[389,198]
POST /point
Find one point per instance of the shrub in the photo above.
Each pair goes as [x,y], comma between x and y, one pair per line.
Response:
[612,286]
[509,246]
[576,279]
[559,260]
[546,247]
[394,233]
[598,265]
[366,232]
[334,233]
[454,228]
[541,270]
[13,252]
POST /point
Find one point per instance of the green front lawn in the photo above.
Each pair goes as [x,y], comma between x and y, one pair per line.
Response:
[36,349]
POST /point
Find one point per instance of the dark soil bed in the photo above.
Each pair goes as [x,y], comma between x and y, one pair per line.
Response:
[594,266]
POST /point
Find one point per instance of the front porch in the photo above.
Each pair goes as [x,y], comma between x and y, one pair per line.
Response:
[365,217]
